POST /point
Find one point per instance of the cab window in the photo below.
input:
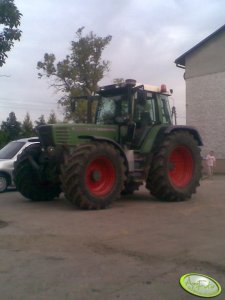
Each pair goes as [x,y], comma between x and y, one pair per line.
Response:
[111,107]
[165,109]
[145,113]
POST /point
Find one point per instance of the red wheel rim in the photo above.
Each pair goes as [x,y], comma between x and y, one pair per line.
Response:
[181,166]
[100,176]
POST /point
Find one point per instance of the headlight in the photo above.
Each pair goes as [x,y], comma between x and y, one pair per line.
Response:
[51,150]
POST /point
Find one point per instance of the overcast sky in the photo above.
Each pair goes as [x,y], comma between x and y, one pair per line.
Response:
[147,36]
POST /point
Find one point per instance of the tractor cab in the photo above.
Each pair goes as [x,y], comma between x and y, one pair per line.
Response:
[134,108]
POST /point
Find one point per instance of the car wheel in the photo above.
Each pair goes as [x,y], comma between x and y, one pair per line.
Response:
[3,183]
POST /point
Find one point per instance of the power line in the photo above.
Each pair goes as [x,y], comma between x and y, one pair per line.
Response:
[25,102]
[25,106]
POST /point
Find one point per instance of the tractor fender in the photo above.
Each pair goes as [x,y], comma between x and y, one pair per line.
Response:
[190,129]
[157,134]
[110,141]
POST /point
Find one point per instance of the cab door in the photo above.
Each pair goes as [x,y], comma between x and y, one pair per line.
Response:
[145,117]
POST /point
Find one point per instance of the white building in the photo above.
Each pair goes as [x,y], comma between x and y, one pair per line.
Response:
[204,66]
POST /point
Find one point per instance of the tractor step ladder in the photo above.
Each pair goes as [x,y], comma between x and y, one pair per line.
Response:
[139,167]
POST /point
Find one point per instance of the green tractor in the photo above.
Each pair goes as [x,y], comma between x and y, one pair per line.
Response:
[131,142]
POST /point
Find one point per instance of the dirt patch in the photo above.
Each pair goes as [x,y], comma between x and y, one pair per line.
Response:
[3,224]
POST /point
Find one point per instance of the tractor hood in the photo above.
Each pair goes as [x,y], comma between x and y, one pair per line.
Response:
[73,134]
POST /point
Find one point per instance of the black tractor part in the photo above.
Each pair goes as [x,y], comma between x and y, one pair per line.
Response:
[31,177]
[130,187]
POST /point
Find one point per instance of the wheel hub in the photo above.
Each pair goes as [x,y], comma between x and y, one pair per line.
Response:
[96,176]
[100,176]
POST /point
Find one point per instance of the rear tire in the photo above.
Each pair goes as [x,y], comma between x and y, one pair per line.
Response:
[93,176]
[176,168]
[27,180]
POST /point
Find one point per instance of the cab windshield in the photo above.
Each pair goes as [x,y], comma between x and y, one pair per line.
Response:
[111,107]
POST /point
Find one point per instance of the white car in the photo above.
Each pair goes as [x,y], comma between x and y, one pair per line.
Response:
[8,156]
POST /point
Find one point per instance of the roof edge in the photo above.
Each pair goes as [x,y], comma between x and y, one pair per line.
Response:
[180,61]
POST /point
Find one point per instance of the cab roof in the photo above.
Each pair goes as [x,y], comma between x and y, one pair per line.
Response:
[147,87]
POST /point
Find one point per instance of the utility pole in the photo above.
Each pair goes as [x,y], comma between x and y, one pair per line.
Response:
[174,115]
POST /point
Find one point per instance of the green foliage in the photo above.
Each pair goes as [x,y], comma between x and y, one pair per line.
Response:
[27,127]
[52,119]
[79,73]
[40,121]
[11,127]
[10,19]
[3,139]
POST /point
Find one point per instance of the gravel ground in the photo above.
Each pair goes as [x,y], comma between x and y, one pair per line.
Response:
[137,249]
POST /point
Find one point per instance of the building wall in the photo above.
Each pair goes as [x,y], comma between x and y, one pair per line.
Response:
[205,98]
[205,95]
[207,59]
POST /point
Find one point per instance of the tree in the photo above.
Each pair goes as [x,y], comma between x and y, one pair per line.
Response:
[27,126]
[52,119]
[3,139]
[11,127]
[79,73]
[40,121]
[10,18]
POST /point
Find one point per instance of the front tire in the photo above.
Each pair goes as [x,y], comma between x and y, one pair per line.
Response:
[93,176]
[27,180]
[176,167]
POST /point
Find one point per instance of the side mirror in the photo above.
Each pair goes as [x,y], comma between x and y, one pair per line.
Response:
[141,97]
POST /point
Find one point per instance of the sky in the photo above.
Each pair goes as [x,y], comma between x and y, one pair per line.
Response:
[147,37]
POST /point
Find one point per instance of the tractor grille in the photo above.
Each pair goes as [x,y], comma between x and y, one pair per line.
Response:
[62,135]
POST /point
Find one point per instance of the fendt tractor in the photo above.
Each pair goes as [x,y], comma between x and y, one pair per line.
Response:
[131,142]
